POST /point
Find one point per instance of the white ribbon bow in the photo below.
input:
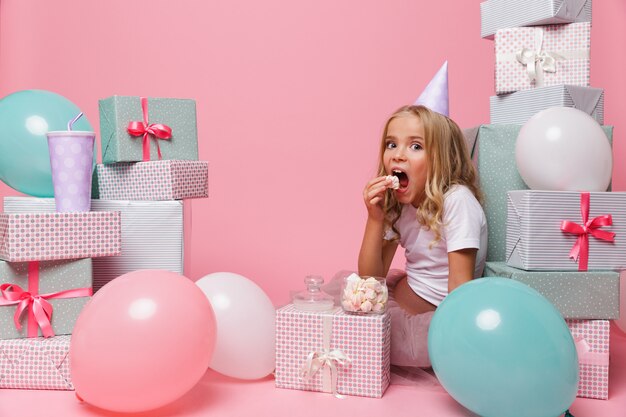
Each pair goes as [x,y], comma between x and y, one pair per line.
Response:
[326,358]
[538,61]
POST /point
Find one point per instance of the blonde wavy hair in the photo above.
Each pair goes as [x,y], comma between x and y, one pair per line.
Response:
[449,164]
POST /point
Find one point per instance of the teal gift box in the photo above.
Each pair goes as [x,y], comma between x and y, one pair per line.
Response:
[577,295]
[497,171]
[66,285]
[171,129]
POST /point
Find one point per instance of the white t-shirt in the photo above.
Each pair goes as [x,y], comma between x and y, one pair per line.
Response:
[464,226]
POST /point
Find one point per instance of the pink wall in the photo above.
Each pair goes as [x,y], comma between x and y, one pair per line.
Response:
[291,100]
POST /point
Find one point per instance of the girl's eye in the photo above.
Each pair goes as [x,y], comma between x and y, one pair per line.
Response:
[416,147]
[390,145]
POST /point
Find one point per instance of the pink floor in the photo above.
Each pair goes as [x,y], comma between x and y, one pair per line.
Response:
[216,395]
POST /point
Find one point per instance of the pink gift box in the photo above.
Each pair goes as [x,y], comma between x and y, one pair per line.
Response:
[29,237]
[592,345]
[154,180]
[352,351]
[529,57]
[36,363]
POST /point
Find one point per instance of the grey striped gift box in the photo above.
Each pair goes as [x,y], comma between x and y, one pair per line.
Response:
[535,242]
[518,107]
[500,14]
[152,234]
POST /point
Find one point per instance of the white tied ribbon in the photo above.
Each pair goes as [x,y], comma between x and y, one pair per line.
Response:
[538,61]
[326,360]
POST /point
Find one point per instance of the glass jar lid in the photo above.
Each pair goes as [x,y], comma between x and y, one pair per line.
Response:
[313,298]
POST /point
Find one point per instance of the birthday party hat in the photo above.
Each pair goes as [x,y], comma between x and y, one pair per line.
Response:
[435,95]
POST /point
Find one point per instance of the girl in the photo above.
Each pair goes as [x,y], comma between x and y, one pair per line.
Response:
[435,215]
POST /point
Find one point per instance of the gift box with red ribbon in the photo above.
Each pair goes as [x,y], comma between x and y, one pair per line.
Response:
[592,345]
[154,180]
[42,298]
[136,129]
[529,57]
[37,363]
[334,352]
[566,230]
[26,237]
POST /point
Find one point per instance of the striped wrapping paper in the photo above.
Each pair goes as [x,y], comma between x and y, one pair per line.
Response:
[517,108]
[556,54]
[152,234]
[364,339]
[499,14]
[535,242]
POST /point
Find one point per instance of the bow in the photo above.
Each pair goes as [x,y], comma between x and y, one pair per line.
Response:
[325,358]
[157,130]
[538,61]
[586,356]
[581,247]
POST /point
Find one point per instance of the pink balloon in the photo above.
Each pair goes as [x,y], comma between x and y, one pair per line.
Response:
[144,340]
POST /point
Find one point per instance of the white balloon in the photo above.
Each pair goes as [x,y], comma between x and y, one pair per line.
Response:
[564,149]
[246,333]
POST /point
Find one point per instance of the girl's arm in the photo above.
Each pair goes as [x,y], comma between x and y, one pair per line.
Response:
[461,267]
[376,253]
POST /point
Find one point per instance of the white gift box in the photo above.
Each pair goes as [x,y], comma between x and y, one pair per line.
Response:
[537,239]
[530,57]
[152,234]
[500,14]
[518,107]
[592,345]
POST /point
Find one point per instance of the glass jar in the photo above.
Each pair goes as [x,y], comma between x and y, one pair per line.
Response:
[313,298]
[364,295]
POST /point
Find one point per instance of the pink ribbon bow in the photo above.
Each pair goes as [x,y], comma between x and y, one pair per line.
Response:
[586,356]
[158,130]
[39,309]
[580,250]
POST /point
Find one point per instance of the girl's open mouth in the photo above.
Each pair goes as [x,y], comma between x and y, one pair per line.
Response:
[402,178]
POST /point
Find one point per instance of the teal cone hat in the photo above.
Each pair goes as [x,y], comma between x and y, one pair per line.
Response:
[435,95]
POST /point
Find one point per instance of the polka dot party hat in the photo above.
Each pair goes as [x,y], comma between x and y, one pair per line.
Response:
[435,95]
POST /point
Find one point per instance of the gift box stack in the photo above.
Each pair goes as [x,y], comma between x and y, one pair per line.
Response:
[150,153]
[150,166]
[542,60]
[45,281]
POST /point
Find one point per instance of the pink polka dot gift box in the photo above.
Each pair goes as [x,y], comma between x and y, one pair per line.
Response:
[529,57]
[37,363]
[334,352]
[28,237]
[592,345]
[154,180]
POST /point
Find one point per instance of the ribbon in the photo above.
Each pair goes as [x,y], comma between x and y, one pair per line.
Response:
[326,360]
[159,131]
[580,250]
[586,356]
[536,60]
[39,309]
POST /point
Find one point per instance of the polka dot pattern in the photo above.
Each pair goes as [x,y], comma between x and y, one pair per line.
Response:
[54,276]
[28,237]
[589,295]
[72,164]
[118,146]
[364,339]
[154,180]
[593,379]
[36,363]
[511,75]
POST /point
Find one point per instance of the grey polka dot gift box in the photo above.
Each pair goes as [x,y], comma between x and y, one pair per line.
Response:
[165,126]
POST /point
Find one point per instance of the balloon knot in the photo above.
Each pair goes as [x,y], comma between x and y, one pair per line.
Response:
[568,414]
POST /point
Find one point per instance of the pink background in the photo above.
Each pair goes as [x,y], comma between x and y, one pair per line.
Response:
[291,100]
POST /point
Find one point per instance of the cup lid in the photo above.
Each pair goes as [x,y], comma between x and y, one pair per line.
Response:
[70,133]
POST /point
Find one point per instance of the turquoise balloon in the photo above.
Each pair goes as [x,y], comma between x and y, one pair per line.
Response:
[25,117]
[502,350]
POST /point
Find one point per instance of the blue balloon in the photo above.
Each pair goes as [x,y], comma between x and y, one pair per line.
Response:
[502,350]
[25,117]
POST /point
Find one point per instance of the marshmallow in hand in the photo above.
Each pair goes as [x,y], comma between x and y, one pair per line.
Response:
[395,182]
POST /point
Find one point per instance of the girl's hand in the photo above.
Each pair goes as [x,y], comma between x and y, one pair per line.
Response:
[373,195]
